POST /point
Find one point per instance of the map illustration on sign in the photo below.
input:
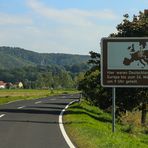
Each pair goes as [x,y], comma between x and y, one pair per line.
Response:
[140,55]
[128,55]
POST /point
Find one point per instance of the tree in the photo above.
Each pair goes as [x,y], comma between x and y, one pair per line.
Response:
[78,78]
[65,79]
[91,85]
[137,27]
[131,97]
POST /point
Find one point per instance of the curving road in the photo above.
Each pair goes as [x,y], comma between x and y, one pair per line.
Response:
[33,123]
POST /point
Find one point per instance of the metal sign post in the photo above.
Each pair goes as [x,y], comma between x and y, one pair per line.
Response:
[113,108]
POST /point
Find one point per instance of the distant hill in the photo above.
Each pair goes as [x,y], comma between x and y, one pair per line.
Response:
[12,57]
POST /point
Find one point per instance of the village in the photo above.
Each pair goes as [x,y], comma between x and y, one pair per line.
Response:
[9,85]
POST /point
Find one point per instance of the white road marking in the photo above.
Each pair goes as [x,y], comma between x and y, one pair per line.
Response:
[38,102]
[2,115]
[63,97]
[62,126]
[21,107]
[52,99]
[13,101]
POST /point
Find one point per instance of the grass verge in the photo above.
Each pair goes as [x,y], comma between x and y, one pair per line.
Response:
[90,127]
[26,94]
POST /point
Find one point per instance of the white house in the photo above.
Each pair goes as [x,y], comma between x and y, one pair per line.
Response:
[2,84]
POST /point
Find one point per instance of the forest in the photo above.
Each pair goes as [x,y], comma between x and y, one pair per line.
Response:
[42,71]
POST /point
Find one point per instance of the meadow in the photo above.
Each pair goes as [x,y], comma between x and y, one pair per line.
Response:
[8,95]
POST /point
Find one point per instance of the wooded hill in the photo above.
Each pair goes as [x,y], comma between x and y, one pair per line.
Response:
[41,70]
[12,57]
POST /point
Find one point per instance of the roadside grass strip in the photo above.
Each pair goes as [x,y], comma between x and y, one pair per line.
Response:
[90,127]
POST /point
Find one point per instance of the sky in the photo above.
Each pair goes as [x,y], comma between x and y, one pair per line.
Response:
[62,26]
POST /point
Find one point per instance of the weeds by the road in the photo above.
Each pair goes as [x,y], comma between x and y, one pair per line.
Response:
[88,126]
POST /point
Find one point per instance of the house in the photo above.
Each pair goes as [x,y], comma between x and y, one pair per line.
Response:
[2,84]
[18,85]
[10,85]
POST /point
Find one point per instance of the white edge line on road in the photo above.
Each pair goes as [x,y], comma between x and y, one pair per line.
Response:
[21,107]
[2,115]
[67,139]
[12,101]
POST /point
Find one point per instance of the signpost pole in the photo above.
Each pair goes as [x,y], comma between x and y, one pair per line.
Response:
[113,108]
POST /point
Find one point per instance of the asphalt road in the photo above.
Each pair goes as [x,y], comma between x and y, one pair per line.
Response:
[34,123]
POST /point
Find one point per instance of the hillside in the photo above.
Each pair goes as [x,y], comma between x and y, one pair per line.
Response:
[12,57]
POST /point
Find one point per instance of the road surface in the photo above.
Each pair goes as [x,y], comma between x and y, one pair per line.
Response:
[33,123]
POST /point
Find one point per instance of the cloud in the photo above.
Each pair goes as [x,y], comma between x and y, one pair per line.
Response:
[71,16]
[46,29]
[9,19]
[62,39]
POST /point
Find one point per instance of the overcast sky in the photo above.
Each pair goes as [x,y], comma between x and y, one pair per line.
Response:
[62,26]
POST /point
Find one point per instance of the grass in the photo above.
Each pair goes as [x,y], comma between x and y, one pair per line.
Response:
[8,95]
[90,127]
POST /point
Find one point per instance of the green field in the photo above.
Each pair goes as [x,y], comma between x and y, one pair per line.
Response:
[90,127]
[7,95]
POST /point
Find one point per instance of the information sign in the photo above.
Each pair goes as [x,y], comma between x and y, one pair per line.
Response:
[124,62]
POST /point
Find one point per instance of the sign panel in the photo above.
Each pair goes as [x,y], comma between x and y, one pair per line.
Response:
[124,62]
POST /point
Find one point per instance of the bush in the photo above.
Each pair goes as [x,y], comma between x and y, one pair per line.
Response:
[131,118]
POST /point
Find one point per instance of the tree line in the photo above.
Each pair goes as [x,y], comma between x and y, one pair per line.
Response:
[41,77]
